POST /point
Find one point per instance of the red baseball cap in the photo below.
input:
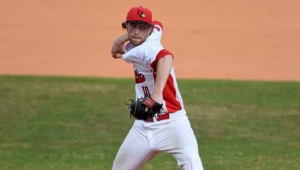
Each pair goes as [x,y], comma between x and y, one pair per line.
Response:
[139,14]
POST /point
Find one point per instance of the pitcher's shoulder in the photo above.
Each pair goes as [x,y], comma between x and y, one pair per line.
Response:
[158,25]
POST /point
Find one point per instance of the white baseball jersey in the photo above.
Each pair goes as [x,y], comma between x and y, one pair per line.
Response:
[173,135]
[144,59]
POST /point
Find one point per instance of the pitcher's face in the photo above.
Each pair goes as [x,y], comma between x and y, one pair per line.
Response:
[138,32]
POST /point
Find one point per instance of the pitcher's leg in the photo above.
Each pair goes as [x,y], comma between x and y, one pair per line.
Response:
[184,146]
[188,159]
[134,151]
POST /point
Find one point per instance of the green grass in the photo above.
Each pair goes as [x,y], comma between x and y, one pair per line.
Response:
[59,123]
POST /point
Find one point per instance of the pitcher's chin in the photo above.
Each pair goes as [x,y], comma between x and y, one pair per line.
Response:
[136,42]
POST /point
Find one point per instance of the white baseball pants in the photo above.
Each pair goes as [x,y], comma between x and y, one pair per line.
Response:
[146,139]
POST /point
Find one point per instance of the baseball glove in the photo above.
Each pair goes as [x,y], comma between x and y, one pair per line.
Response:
[144,108]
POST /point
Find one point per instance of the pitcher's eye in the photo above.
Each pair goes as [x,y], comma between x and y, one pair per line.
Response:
[132,25]
[143,27]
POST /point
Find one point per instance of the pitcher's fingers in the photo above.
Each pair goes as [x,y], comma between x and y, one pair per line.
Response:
[118,55]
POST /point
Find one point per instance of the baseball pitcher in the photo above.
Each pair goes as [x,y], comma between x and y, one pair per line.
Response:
[161,123]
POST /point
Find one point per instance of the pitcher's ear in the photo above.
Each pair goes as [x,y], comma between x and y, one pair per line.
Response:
[123,25]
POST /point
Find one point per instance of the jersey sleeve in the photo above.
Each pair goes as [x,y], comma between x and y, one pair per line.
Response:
[158,25]
[159,55]
[154,53]
[128,56]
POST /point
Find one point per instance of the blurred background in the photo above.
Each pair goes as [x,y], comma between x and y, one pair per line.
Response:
[233,39]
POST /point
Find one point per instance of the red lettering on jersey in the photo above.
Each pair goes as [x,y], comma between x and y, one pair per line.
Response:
[146,91]
[139,78]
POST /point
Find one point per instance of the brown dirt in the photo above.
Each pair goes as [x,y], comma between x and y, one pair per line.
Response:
[233,39]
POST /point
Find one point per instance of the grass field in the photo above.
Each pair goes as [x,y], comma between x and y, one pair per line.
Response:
[61,123]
